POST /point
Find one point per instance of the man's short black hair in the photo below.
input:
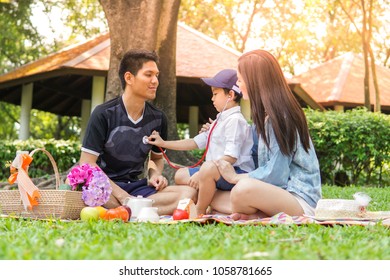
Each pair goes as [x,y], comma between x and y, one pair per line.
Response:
[133,60]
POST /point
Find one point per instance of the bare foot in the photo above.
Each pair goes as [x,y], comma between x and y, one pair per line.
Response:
[200,211]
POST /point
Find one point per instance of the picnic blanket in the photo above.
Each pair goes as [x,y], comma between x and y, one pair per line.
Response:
[382,218]
[284,219]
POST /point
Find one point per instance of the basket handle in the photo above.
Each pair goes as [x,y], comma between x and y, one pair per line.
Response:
[53,162]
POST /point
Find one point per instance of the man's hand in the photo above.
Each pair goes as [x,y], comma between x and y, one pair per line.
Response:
[159,182]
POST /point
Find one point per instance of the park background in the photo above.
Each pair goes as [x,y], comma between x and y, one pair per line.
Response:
[310,39]
[301,34]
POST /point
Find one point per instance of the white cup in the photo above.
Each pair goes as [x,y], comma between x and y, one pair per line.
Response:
[148,214]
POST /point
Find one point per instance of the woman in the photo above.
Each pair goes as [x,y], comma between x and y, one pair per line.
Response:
[287,178]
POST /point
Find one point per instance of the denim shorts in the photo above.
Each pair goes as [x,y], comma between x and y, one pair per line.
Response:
[139,187]
[222,184]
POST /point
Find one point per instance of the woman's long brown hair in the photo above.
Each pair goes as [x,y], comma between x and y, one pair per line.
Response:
[270,95]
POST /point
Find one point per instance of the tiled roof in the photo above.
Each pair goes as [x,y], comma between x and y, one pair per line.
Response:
[200,56]
[197,56]
[62,79]
[340,81]
[62,59]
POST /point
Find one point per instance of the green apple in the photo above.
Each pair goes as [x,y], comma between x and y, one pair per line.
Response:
[89,214]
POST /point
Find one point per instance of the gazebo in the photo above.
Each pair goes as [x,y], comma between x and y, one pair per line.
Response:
[72,81]
[338,84]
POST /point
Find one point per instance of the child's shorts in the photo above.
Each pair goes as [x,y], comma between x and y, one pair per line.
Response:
[222,184]
[136,188]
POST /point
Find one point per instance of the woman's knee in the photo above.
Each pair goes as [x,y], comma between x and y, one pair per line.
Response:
[241,190]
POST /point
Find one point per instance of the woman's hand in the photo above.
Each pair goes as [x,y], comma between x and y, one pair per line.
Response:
[155,139]
[227,171]
[206,126]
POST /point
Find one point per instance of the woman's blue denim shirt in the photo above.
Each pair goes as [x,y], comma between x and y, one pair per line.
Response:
[298,173]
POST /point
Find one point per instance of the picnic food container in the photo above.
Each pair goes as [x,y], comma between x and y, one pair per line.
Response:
[137,203]
[38,203]
[333,208]
[343,208]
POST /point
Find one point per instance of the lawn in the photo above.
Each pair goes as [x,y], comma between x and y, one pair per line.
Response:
[107,240]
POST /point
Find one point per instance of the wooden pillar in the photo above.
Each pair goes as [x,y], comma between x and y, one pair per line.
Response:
[26,105]
[245,109]
[87,106]
[193,120]
[98,89]
[85,113]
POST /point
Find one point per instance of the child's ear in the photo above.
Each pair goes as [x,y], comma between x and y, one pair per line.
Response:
[231,94]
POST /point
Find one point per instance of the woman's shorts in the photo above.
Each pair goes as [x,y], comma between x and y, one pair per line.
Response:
[222,184]
[307,209]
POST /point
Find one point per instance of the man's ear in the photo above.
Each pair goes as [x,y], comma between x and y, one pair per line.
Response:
[129,77]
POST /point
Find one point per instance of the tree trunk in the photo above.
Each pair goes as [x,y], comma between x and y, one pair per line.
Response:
[377,106]
[139,24]
[152,25]
[366,42]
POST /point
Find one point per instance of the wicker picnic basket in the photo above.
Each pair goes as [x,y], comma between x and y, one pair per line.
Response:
[53,203]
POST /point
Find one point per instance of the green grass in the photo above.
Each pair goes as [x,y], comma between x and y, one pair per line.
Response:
[107,240]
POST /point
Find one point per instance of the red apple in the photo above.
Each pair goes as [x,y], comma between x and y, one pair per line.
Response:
[128,210]
[180,214]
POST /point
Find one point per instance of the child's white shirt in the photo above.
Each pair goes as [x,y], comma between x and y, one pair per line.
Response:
[232,136]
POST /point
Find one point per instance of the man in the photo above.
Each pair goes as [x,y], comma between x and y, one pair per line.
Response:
[115,132]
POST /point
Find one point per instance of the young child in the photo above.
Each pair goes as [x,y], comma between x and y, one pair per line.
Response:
[231,140]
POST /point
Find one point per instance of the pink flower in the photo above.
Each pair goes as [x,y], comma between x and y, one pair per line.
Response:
[92,181]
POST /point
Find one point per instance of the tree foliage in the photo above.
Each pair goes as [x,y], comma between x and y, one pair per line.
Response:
[364,18]
[227,21]
[81,19]
[20,41]
[9,115]
[299,33]
[43,125]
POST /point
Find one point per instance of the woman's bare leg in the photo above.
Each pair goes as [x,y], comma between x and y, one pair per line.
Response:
[221,202]
[250,196]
